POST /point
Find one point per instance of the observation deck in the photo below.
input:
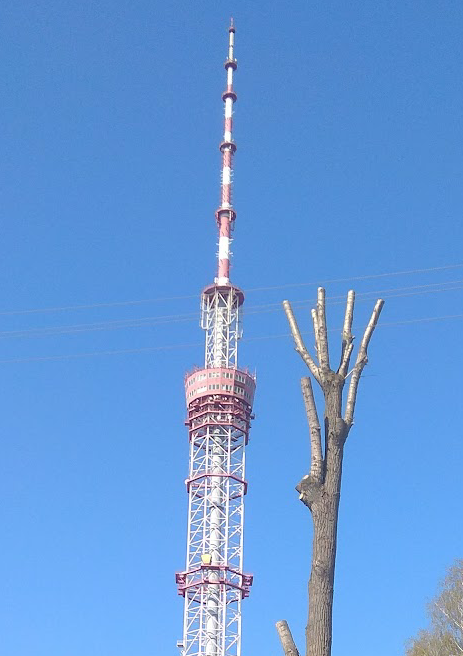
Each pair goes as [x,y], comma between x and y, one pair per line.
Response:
[220,381]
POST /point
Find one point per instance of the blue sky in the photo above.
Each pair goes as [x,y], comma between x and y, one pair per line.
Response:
[349,164]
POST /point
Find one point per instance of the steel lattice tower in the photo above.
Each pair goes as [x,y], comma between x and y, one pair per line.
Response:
[219,401]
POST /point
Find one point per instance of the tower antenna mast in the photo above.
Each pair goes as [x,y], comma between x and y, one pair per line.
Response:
[219,400]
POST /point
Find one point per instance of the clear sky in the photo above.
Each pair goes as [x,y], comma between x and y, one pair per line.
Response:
[349,165]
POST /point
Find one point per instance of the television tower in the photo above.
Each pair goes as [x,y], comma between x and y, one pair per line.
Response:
[219,401]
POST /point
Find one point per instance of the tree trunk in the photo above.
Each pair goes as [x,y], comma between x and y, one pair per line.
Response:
[325,520]
[318,630]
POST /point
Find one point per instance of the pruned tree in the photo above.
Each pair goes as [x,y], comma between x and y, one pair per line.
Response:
[445,635]
[320,489]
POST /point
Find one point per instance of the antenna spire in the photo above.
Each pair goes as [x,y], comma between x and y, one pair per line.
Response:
[226,215]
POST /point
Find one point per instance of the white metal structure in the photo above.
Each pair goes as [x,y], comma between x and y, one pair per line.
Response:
[219,402]
[220,318]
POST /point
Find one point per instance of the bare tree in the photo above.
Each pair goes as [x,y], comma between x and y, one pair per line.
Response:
[445,635]
[320,489]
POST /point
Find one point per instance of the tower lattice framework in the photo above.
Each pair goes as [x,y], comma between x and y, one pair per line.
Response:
[219,401]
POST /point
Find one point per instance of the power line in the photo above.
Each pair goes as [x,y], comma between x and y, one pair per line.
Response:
[102,325]
[70,356]
[389,324]
[251,289]
[151,321]
[361,296]
[355,278]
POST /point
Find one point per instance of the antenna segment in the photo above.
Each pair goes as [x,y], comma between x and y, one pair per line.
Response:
[225,214]
[219,401]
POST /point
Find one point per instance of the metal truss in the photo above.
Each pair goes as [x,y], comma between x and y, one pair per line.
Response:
[220,318]
[213,583]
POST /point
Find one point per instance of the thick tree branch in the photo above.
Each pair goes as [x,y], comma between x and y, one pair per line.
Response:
[300,347]
[347,339]
[360,363]
[315,331]
[286,639]
[316,457]
[322,336]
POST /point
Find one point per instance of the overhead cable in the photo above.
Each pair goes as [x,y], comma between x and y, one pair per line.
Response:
[151,321]
[88,306]
[169,347]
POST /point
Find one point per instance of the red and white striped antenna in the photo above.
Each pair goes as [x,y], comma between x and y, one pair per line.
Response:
[226,214]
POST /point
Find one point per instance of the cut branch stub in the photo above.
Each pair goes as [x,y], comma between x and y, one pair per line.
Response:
[347,339]
[361,361]
[322,336]
[286,639]
[316,457]
[300,346]
[315,331]
[310,490]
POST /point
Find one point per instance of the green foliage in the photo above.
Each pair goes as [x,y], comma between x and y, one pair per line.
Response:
[445,635]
